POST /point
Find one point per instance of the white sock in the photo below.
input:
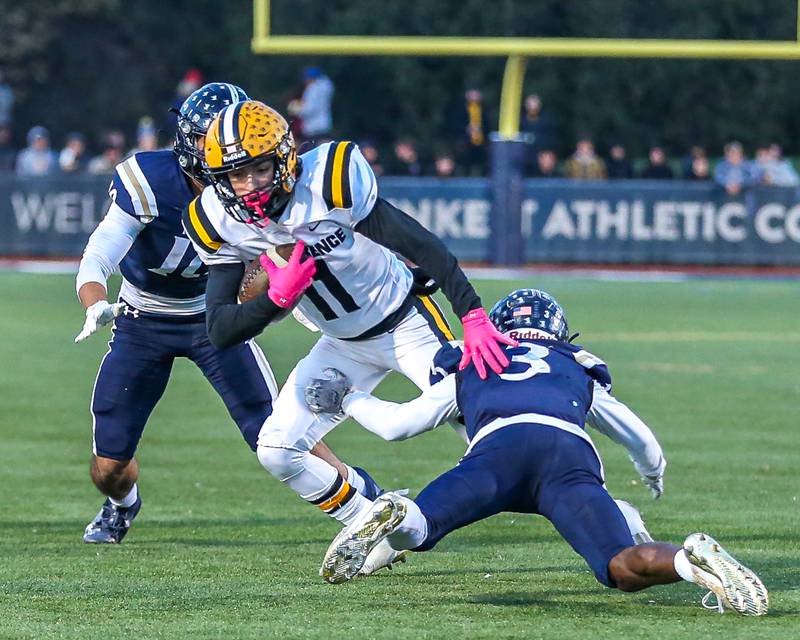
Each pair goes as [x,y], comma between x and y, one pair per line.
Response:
[683,567]
[355,480]
[412,531]
[348,514]
[127,501]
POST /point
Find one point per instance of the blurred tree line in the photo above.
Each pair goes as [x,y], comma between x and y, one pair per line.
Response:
[88,65]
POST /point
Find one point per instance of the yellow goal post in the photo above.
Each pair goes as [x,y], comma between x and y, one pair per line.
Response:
[517,50]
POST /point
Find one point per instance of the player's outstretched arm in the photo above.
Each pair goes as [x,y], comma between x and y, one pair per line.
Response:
[390,420]
[400,421]
[616,420]
[106,247]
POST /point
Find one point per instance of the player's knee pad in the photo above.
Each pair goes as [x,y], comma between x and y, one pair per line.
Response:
[281,462]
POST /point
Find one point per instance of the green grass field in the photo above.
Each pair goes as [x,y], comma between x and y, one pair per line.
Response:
[221,549]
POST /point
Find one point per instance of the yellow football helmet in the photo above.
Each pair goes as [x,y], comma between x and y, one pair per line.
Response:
[243,134]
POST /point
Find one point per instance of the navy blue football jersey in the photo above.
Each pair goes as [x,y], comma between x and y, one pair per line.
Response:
[550,378]
[151,187]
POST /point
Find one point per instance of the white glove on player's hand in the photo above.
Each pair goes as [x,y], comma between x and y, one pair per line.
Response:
[99,315]
[655,484]
[653,477]
[325,395]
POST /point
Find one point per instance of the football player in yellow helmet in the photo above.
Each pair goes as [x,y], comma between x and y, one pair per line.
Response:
[251,160]
[344,276]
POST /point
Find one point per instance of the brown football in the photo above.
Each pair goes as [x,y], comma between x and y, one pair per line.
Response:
[255,280]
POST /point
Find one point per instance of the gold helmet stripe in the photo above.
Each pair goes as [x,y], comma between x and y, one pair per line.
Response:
[199,227]
[336,180]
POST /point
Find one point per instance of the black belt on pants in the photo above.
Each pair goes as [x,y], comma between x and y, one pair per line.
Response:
[389,322]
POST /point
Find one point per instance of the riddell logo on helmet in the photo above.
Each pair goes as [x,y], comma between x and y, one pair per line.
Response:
[236,155]
[530,334]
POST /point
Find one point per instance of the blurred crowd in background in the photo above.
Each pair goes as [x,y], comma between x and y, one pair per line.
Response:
[462,150]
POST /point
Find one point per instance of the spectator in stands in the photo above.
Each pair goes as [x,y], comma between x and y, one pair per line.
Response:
[146,136]
[372,156]
[688,160]
[406,159]
[733,173]
[315,108]
[111,156]
[585,164]
[6,102]
[8,155]
[546,165]
[444,165]
[293,108]
[761,165]
[192,80]
[537,125]
[699,169]
[775,170]
[72,158]
[37,159]
[471,144]
[104,163]
[657,167]
[618,165]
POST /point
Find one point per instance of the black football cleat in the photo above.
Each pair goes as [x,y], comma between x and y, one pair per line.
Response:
[111,523]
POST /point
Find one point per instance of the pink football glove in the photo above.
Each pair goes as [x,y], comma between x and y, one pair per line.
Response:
[287,284]
[480,344]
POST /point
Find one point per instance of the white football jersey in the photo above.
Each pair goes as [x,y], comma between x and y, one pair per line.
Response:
[358,282]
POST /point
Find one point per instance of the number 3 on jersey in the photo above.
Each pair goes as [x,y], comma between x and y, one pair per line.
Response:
[533,359]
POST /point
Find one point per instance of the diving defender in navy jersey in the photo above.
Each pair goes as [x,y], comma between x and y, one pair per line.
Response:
[160,316]
[529,453]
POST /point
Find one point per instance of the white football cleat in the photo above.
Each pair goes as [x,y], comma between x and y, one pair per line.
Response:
[348,552]
[734,585]
[635,523]
[382,556]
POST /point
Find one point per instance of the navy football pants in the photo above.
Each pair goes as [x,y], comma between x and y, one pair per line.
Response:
[531,469]
[136,369]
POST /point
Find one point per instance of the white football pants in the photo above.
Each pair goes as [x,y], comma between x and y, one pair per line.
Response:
[292,429]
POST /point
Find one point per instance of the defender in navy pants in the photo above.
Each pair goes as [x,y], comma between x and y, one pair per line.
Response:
[529,453]
[160,316]
[134,374]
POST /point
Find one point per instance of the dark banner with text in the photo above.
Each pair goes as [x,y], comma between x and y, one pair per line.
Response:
[561,221]
[615,222]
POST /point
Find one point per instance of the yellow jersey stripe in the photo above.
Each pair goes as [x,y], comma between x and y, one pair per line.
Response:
[438,318]
[336,178]
[202,234]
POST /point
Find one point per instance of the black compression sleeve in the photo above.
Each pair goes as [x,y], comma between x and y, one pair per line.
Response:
[228,322]
[398,231]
